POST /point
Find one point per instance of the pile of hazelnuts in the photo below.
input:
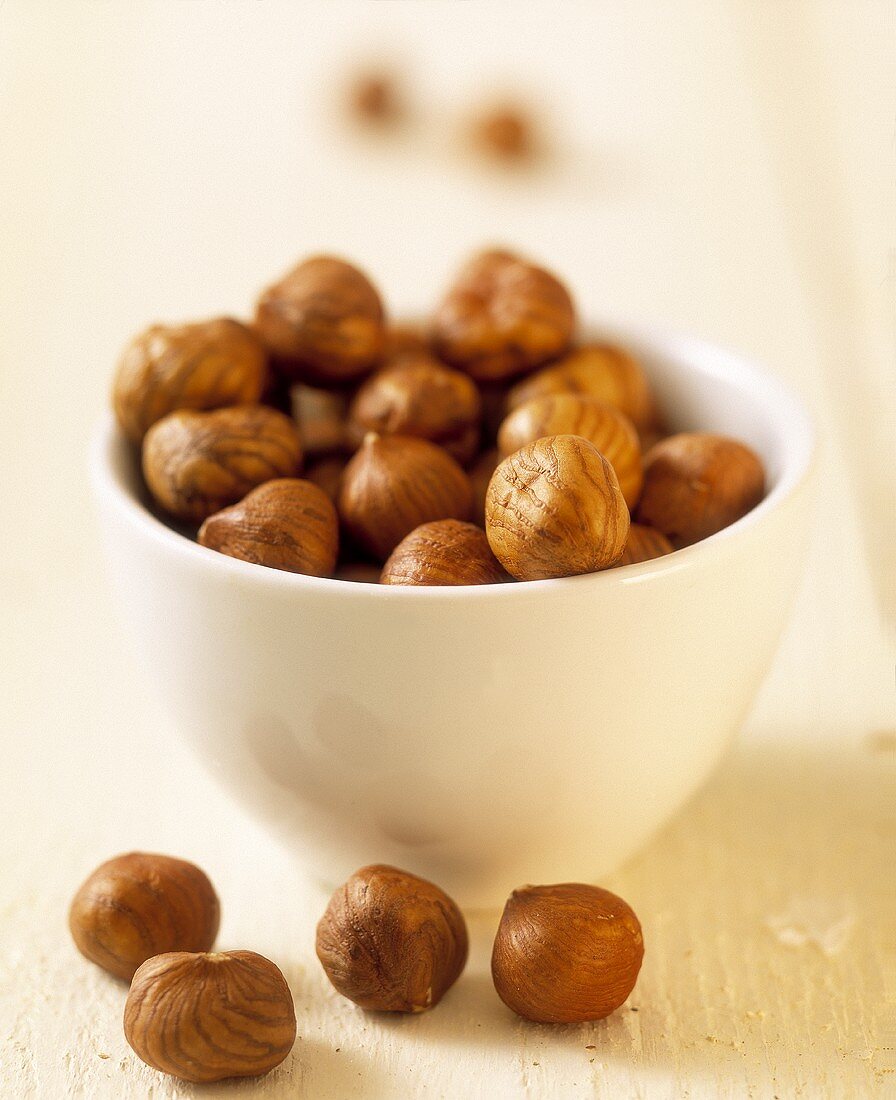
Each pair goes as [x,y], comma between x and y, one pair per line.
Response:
[389,941]
[491,446]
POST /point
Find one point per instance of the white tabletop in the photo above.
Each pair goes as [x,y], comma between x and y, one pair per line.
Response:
[721,168]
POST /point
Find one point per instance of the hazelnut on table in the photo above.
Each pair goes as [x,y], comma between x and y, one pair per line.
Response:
[139,905]
[206,1017]
[392,942]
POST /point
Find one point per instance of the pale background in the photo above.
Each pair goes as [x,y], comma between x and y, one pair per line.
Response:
[726,168]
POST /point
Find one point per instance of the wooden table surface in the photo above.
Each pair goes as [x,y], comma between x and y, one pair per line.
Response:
[164,160]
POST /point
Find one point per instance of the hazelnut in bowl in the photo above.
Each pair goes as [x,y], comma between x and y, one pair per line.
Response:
[490,733]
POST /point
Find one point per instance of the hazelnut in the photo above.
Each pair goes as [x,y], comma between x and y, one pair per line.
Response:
[566,954]
[420,397]
[571,414]
[321,416]
[391,942]
[374,99]
[555,509]
[502,317]
[323,322]
[598,370]
[326,473]
[480,475]
[644,544]
[286,524]
[447,552]
[139,905]
[393,484]
[205,1017]
[200,366]
[696,483]
[505,133]
[196,463]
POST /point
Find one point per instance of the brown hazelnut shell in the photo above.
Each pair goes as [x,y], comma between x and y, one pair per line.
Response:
[323,322]
[565,954]
[554,509]
[575,414]
[480,475]
[604,371]
[206,365]
[421,397]
[393,484]
[196,463]
[696,483]
[139,905]
[446,552]
[207,1017]
[390,941]
[644,544]
[326,473]
[502,317]
[287,523]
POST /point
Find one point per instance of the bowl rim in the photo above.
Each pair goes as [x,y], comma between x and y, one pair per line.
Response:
[775,397]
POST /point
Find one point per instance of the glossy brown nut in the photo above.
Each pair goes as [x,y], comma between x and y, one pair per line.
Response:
[555,509]
[697,483]
[565,954]
[644,544]
[286,523]
[201,366]
[393,484]
[392,942]
[502,317]
[207,1017]
[323,322]
[139,905]
[447,552]
[573,414]
[195,464]
[420,397]
[603,371]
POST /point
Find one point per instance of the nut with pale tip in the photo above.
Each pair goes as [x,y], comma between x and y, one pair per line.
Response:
[206,1017]
[393,484]
[447,552]
[287,523]
[390,941]
[554,509]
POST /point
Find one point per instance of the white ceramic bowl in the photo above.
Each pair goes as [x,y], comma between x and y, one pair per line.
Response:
[486,736]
